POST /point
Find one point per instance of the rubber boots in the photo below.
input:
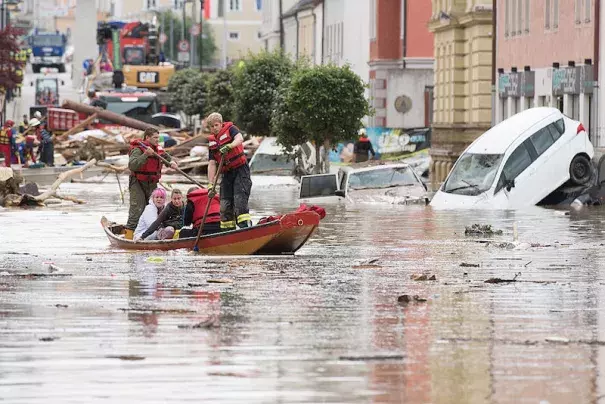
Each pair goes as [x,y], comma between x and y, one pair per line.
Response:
[128,234]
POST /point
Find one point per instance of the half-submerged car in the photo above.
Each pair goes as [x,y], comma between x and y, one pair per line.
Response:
[366,182]
[519,162]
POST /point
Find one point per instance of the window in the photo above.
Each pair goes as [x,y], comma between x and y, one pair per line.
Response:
[235,5]
[518,161]
[587,10]
[151,4]
[373,21]
[557,129]
[527,16]
[542,140]
[555,13]
[578,11]
[506,17]
[520,17]
[547,14]
[318,185]
[234,36]
[513,18]
[259,5]
[221,8]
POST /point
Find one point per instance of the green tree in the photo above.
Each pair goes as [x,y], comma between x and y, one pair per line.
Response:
[205,47]
[322,103]
[196,95]
[177,87]
[257,80]
[220,94]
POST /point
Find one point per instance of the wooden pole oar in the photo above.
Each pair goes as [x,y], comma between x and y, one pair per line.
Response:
[210,197]
[120,185]
[176,169]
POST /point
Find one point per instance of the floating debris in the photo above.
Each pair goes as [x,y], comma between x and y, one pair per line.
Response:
[500,280]
[405,299]
[371,358]
[423,277]
[467,265]
[209,323]
[61,306]
[220,280]
[481,230]
[126,357]
[48,339]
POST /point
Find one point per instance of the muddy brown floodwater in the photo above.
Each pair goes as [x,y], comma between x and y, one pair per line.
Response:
[105,325]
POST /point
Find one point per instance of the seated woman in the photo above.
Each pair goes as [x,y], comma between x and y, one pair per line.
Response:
[151,212]
[168,221]
[197,199]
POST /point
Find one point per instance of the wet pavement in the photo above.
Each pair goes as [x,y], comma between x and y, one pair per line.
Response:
[325,325]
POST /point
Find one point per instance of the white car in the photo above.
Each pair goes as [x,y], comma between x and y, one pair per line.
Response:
[369,182]
[519,162]
[271,159]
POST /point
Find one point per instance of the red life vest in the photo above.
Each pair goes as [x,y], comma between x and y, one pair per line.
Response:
[199,197]
[235,158]
[152,169]
[5,136]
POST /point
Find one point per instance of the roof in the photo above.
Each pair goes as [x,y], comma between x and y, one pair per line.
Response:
[371,165]
[300,6]
[500,137]
[269,145]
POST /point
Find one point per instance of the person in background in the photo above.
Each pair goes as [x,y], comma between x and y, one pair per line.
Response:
[363,147]
[46,148]
[168,221]
[23,125]
[197,199]
[6,136]
[150,213]
[90,96]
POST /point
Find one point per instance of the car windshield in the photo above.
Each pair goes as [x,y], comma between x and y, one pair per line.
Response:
[46,85]
[134,56]
[272,162]
[473,174]
[382,178]
[47,40]
[141,110]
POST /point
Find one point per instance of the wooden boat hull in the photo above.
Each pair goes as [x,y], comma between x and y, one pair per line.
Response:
[283,236]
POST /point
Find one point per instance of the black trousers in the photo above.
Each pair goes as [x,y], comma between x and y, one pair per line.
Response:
[209,228]
[235,193]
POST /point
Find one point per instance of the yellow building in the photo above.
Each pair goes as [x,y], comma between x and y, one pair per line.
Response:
[463,71]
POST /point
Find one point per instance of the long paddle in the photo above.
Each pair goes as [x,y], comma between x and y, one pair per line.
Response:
[210,197]
[176,169]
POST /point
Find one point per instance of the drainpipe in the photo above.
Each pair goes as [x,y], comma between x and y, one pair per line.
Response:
[314,34]
[595,64]
[404,21]
[281,25]
[323,30]
[494,33]
[297,33]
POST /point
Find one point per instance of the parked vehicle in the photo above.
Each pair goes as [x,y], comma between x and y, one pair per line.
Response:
[367,182]
[519,162]
[48,50]
[271,158]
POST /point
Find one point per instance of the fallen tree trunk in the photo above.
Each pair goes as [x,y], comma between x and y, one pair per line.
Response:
[63,177]
[108,115]
[117,169]
[79,126]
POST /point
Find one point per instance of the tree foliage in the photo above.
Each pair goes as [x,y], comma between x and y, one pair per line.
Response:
[8,64]
[257,80]
[220,94]
[177,87]
[322,103]
[205,47]
[195,97]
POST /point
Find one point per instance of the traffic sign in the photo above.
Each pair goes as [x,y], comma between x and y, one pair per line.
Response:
[183,45]
[195,29]
[183,57]
[163,38]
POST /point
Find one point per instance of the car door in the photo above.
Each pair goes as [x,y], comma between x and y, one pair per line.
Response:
[550,171]
[318,188]
[517,168]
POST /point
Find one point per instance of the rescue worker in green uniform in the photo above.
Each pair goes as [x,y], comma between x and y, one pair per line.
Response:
[145,173]
[226,142]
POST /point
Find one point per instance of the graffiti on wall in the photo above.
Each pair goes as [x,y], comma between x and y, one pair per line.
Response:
[386,141]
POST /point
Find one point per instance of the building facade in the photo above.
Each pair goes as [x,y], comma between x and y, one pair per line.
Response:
[401,63]
[270,31]
[302,25]
[545,54]
[463,75]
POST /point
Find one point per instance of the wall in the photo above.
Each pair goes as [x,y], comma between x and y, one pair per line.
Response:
[290,37]
[411,83]
[306,34]
[419,40]
[541,47]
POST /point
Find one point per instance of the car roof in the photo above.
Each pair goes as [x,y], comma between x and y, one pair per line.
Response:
[375,166]
[500,137]
[269,146]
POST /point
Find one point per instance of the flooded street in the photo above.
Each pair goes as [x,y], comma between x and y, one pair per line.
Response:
[324,325]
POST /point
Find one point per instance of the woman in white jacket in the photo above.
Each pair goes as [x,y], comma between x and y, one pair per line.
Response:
[151,212]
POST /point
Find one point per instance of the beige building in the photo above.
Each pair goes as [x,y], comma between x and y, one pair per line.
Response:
[59,14]
[463,70]
[236,27]
[303,24]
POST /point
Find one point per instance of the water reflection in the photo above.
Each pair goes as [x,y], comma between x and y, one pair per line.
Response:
[285,324]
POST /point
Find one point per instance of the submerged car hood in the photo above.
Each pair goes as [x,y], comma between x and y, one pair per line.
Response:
[403,195]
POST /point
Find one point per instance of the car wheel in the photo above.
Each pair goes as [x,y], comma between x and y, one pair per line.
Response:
[580,170]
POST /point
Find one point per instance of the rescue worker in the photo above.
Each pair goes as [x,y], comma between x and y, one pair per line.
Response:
[362,147]
[91,96]
[23,125]
[226,141]
[19,83]
[197,199]
[6,135]
[46,148]
[145,173]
